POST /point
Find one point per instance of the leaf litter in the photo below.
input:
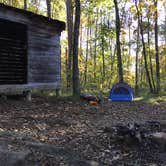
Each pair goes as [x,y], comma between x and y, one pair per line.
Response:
[49,132]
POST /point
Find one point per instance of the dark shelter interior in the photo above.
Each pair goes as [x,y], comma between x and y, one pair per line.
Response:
[13,52]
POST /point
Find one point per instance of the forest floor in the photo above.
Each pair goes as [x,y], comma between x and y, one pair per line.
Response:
[50,132]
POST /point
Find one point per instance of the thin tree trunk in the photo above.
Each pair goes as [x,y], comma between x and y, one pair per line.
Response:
[69,8]
[86,57]
[141,71]
[102,48]
[76,83]
[81,41]
[128,63]
[156,49]
[144,49]
[81,51]
[136,62]
[145,58]
[48,3]
[66,62]
[95,45]
[150,59]
[118,27]
[90,78]
[110,38]
[111,51]
[103,58]
[25,4]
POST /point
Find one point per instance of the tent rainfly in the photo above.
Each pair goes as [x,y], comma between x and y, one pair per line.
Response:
[121,92]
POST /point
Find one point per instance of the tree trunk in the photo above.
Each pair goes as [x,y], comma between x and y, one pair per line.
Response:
[95,47]
[81,40]
[69,8]
[87,53]
[25,4]
[66,63]
[103,59]
[48,3]
[102,47]
[141,71]
[150,58]
[76,83]
[129,44]
[118,27]
[145,59]
[136,62]
[156,49]
[144,49]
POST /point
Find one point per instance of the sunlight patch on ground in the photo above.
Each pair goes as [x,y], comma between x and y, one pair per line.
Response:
[138,99]
[157,99]
[151,98]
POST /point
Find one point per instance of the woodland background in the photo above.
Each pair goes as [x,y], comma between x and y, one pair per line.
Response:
[108,41]
[105,42]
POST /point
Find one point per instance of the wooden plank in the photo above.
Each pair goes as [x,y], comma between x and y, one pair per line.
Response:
[44,41]
[7,72]
[12,59]
[9,60]
[12,66]
[12,40]
[12,51]
[19,88]
[12,48]
[12,70]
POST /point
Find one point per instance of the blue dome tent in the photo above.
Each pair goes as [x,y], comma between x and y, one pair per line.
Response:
[121,92]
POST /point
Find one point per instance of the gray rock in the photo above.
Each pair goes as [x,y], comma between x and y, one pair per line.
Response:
[8,158]
[84,163]
[47,148]
[160,139]
[161,157]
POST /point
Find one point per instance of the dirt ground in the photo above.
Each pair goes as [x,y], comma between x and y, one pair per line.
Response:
[56,132]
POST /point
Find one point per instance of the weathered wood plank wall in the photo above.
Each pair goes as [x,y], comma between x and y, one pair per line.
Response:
[43,52]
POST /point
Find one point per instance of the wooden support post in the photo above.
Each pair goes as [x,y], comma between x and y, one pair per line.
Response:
[27,95]
[57,92]
[3,97]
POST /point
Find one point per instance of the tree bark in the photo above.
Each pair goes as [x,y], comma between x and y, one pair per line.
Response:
[81,40]
[145,59]
[136,62]
[118,27]
[103,59]
[102,47]
[76,83]
[86,56]
[150,58]
[129,44]
[69,8]
[48,3]
[25,4]
[156,49]
[95,47]
[144,49]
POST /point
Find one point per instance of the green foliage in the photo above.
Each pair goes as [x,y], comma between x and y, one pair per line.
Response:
[145,96]
[99,16]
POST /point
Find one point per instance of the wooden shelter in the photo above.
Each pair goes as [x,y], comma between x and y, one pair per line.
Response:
[29,51]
